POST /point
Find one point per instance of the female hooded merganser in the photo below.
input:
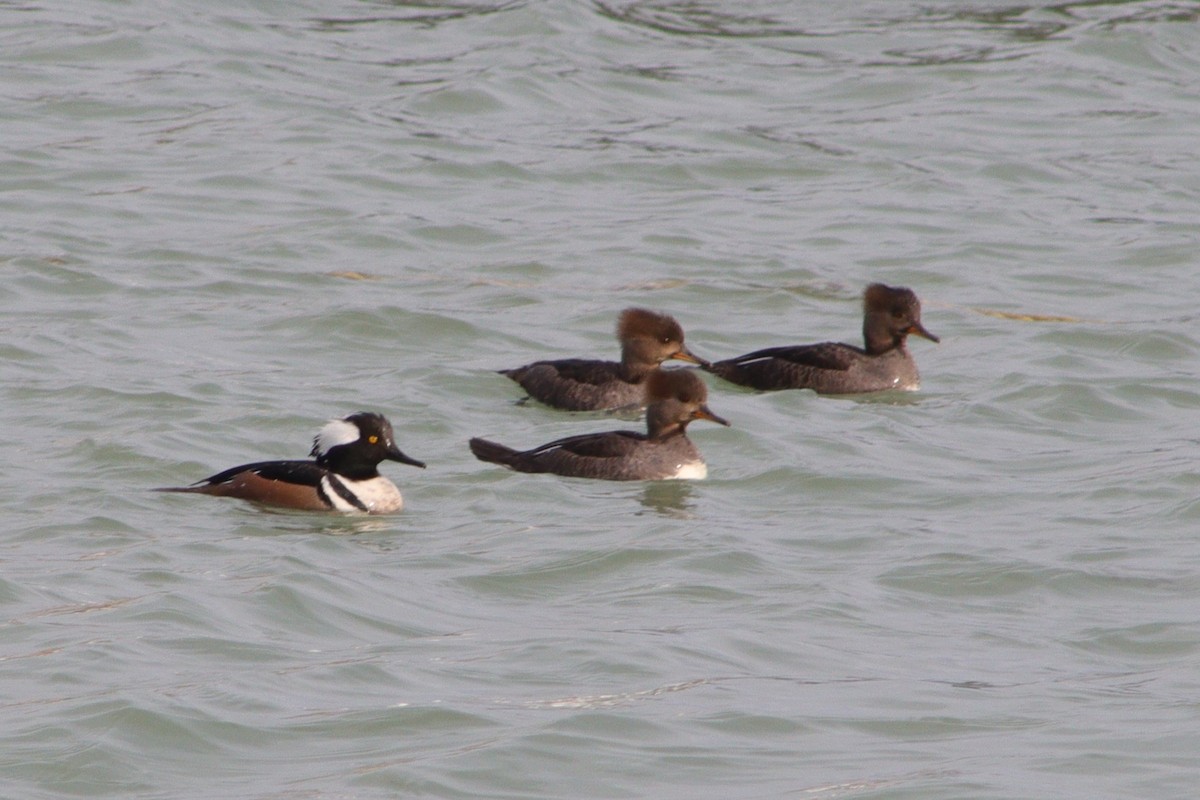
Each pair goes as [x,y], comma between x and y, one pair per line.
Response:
[577,384]
[890,315]
[343,477]
[674,398]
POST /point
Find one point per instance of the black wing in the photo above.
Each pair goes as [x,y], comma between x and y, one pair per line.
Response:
[826,355]
[583,371]
[610,444]
[304,473]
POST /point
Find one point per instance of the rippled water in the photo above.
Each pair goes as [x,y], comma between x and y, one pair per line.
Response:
[226,223]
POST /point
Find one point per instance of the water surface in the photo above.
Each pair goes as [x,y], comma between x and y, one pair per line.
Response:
[225,225]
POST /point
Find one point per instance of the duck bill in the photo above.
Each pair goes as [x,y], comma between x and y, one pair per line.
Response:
[687,355]
[395,454]
[703,413]
[919,330]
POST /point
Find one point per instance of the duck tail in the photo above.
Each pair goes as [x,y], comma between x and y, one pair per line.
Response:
[495,453]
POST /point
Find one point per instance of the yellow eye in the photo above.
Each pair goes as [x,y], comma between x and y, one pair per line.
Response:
[373,439]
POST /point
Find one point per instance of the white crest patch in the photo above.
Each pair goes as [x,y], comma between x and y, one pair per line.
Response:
[336,432]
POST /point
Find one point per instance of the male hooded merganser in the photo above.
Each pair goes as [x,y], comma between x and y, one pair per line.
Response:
[343,477]
[674,398]
[578,384]
[890,315]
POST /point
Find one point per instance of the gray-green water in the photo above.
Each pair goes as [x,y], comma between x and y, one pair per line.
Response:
[224,223]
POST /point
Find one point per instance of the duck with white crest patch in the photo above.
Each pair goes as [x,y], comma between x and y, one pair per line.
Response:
[343,475]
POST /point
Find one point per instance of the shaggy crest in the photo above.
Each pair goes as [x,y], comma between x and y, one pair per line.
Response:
[678,384]
[641,322]
[878,297]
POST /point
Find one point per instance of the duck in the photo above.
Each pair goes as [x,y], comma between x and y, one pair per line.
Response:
[674,398]
[648,338]
[890,315]
[343,475]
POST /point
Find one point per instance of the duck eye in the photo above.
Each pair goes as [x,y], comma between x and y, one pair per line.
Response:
[373,439]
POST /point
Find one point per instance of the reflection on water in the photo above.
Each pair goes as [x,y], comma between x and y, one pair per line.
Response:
[271,521]
[669,498]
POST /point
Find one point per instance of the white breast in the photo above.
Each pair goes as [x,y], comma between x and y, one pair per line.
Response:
[379,495]
[691,471]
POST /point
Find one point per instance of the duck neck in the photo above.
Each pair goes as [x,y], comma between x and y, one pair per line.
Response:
[634,367]
[662,422]
[878,335]
[349,467]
